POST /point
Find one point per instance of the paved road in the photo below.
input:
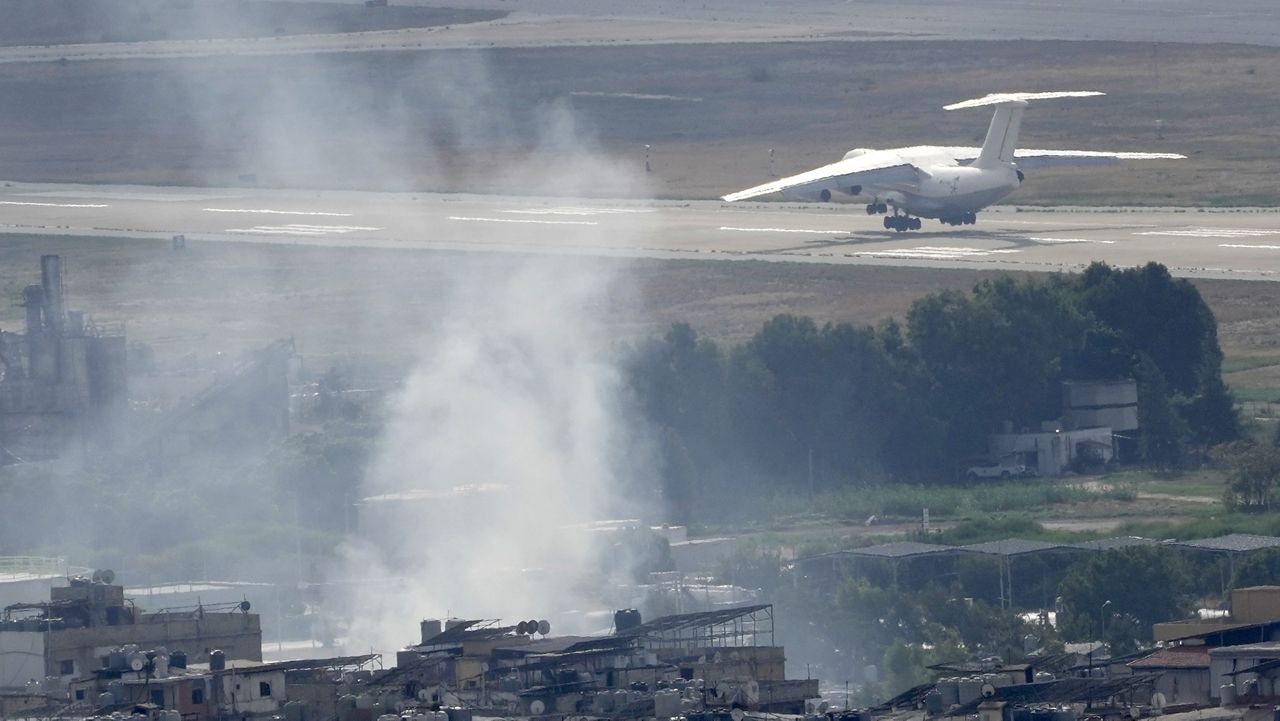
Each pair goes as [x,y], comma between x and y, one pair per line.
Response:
[1213,244]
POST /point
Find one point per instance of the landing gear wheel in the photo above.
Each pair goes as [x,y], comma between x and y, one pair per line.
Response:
[888,222]
[913,223]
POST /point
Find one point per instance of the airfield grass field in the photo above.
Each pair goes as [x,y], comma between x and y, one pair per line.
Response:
[710,114]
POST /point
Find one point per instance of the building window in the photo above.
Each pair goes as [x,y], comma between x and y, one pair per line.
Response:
[197,697]
[157,697]
[264,689]
[67,667]
[79,694]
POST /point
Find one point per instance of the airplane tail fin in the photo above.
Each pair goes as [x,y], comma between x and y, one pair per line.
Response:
[1002,135]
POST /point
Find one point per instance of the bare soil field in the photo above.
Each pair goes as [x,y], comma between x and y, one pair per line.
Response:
[60,22]
[708,114]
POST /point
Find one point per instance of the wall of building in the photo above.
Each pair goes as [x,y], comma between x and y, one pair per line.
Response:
[242,691]
[1257,604]
[1184,686]
[239,635]
[21,659]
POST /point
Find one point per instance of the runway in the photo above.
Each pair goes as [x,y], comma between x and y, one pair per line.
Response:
[1204,243]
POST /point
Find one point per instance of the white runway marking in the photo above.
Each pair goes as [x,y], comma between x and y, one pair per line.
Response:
[515,220]
[56,205]
[300,229]
[275,212]
[786,230]
[631,96]
[578,211]
[1197,232]
[1069,240]
[1244,245]
[937,252]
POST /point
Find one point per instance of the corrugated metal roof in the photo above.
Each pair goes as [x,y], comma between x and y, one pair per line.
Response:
[1014,547]
[1174,657]
[901,549]
[693,620]
[1110,544]
[1231,543]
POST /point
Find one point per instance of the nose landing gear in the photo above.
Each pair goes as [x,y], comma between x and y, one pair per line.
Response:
[876,208]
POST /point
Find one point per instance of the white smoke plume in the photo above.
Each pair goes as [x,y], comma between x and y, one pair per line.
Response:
[507,440]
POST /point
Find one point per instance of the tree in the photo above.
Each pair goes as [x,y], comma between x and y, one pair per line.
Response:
[1137,586]
[1261,568]
[1253,473]
[1160,429]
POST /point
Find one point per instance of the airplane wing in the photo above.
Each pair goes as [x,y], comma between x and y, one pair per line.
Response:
[873,169]
[1030,158]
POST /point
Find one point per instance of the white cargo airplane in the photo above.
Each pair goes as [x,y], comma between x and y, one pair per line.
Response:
[948,183]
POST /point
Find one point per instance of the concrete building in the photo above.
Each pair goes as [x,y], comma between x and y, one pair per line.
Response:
[1100,404]
[1254,617]
[722,658]
[1051,452]
[1182,674]
[77,630]
[63,382]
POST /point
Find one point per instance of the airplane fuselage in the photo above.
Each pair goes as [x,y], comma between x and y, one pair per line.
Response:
[939,187]
[951,191]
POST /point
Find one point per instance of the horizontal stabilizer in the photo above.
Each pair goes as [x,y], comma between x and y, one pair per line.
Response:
[1003,98]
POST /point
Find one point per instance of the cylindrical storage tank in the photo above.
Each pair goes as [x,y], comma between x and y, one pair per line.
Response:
[1228,696]
[666,704]
[115,659]
[217,660]
[294,711]
[430,628]
[933,702]
[178,659]
[949,688]
[346,707]
[626,619]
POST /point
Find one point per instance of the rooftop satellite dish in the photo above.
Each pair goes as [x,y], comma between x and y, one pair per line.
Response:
[522,628]
[531,626]
[537,707]
[108,576]
[137,662]
[988,690]
[97,576]
[544,627]
[245,606]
